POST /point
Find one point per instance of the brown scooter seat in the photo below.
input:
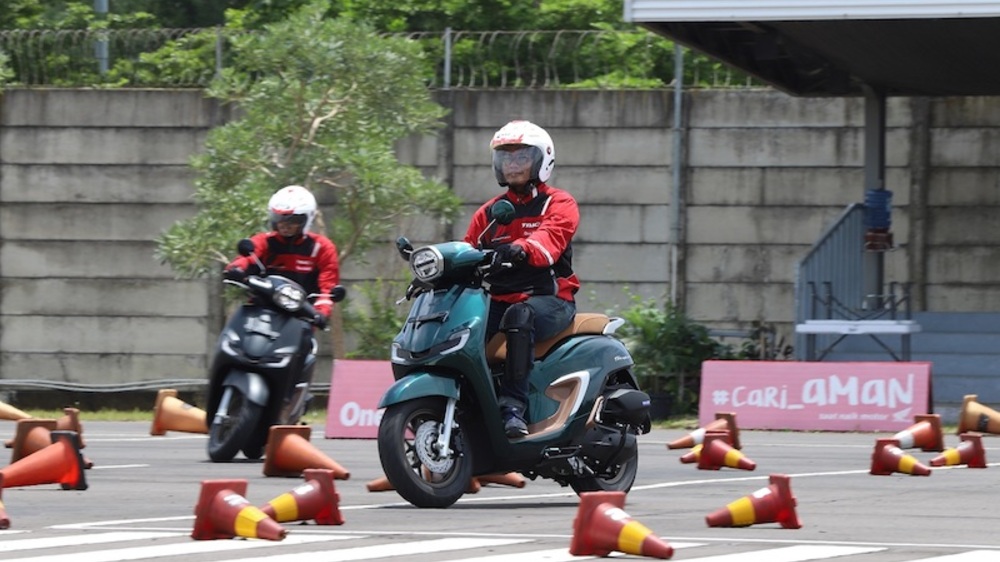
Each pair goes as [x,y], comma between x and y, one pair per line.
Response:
[583,323]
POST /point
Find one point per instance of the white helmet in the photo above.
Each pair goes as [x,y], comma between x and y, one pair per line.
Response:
[528,134]
[294,203]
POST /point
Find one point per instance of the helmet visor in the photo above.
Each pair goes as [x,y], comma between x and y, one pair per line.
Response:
[511,163]
[297,220]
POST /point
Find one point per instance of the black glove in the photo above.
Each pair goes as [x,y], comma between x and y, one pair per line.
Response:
[510,253]
[321,321]
[235,274]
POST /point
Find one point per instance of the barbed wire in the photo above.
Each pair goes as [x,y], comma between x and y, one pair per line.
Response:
[191,58]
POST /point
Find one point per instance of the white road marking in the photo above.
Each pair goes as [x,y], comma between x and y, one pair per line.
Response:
[79,540]
[385,550]
[800,553]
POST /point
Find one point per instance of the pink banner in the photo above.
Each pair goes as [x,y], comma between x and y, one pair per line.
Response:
[824,396]
[356,387]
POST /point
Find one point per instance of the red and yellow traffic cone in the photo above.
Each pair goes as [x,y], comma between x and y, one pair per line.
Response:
[925,433]
[173,414]
[601,526]
[289,452]
[717,452]
[888,458]
[976,417]
[58,463]
[969,452]
[693,455]
[774,503]
[724,421]
[223,512]
[317,499]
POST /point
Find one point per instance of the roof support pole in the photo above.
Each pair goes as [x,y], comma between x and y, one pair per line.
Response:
[874,168]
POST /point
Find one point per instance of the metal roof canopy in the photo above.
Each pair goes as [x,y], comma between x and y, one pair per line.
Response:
[818,48]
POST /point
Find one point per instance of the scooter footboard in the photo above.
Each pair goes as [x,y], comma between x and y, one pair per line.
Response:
[419,385]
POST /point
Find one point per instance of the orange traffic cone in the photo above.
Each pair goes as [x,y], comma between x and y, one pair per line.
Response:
[289,452]
[716,452]
[969,452]
[30,435]
[71,422]
[693,455]
[33,435]
[4,520]
[8,412]
[380,484]
[976,417]
[173,414]
[223,512]
[774,503]
[58,463]
[317,499]
[724,421]
[601,526]
[888,458]
[512,479]
[924,433]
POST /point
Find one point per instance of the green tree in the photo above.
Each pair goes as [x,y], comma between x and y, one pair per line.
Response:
[322,102]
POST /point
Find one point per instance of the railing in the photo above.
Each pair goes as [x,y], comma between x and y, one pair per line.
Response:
[466,59]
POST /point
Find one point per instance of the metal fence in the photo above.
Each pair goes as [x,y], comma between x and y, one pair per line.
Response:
[465,59]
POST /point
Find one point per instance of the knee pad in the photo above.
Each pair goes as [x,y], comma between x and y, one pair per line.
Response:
[518,325]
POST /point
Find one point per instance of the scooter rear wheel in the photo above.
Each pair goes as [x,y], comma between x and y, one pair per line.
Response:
[227,436]
[406,437]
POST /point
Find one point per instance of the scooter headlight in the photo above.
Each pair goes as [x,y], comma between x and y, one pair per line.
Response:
[289,298]
[427,263]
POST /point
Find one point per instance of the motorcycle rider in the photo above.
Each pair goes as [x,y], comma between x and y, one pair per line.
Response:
[291,250]
[534,299]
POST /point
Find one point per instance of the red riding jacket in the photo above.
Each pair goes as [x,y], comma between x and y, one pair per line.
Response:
[545,221]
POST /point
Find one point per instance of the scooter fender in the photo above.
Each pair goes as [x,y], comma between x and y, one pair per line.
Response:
[419,385]
[252,385]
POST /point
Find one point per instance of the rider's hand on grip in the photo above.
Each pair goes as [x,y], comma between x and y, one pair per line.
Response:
[506,256]
[321,321]
[235,274]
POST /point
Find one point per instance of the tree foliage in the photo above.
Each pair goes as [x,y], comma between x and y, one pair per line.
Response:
[322,102]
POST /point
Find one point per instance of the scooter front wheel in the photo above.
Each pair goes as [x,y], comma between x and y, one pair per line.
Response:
[227,434]
[407,437]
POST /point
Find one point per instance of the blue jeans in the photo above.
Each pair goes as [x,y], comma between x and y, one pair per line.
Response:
[552,315]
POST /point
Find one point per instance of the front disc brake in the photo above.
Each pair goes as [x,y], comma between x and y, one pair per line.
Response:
[424,441]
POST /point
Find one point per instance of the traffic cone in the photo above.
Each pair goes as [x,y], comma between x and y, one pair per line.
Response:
[173,414]
[289,452]
[512,479]
[924,433]
[4,520]
[717,452]
[724,421]
[317,499]
[71,422]
[380,484]
[33,435]
[8,412]
[58,463]
[30,435]
[976,417]
[969,452]
[773,504]
[888,458]
[223,512]
[601,526]
[693,455]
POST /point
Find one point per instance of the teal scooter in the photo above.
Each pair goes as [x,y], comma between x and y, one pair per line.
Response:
[441,425]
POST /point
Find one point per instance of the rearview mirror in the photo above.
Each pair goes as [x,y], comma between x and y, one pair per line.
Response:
[502,212]
[244,247]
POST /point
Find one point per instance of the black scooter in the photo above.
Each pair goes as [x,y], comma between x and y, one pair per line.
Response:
[263,364]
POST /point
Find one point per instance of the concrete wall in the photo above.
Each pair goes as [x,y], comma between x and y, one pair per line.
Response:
[89,179]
